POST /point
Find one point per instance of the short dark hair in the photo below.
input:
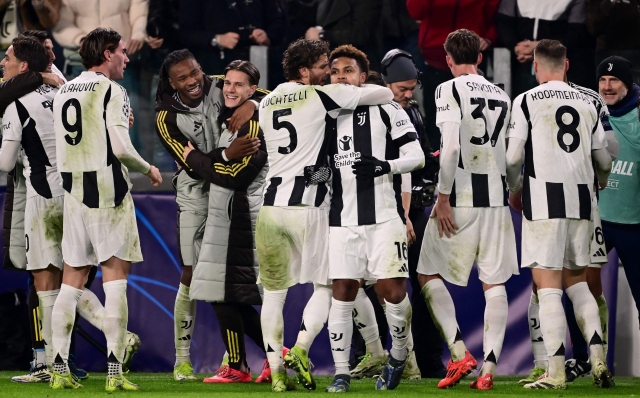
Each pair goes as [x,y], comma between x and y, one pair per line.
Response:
[375,78]
[302,53]
[247,68]
[32,52]
[552,51]
[96,43]
[173,58]
[463,46]
[37,35]
[350,51]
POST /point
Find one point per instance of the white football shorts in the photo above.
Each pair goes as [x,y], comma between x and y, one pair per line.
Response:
[485,235]
[43,232]
[370,252]
[92,236]
[598,248]
[292,245]
[556,243]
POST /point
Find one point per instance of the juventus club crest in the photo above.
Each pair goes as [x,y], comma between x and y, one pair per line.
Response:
[345,143]
[610,67]
[362,118]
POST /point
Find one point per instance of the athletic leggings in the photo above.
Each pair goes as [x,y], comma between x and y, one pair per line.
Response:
[624,238]
[235,321]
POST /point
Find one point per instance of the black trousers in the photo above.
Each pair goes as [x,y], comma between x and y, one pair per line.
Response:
[235,321]
[428,344]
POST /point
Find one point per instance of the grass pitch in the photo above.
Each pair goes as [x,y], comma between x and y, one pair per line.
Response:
[162,385]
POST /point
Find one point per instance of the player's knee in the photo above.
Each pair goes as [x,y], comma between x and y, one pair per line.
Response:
[186,276]
[345,289]
[423,279]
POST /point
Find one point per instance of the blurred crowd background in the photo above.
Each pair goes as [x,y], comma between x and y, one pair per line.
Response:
[219,31]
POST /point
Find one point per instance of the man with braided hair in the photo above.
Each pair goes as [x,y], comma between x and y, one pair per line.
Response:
[188,105]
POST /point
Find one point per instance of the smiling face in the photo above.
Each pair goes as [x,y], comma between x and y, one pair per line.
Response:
[612,89]
[48,44]
[11,65]
[237,88]
[118,61]
[187,79]
[346,71]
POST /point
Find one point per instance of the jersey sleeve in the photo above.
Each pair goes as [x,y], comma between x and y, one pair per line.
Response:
[11,125]
[402,130]
[598,137]
[117,112]
[448,107]
[518,125]
[338,96]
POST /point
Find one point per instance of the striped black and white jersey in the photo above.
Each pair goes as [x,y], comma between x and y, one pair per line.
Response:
[29,120]
[482,110]
[379,131]
[293,118]
[83,110]
[560,127]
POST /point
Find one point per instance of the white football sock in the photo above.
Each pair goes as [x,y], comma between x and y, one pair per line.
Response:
[585,309]
[399,320]
[272,323]
[495,325]
[116,317]
[184,319]
[554,328]
[340,334]
[540,358]
[314,316]
[91,309]
[63,318]
[47,299]
[364,317]
[410,340]
[603,311]
[443,312]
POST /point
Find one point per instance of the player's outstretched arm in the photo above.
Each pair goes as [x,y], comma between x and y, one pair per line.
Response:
[372,94]
[124,150]
[9,155]
[16,87]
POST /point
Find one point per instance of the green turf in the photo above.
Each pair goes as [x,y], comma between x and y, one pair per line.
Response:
[162,385]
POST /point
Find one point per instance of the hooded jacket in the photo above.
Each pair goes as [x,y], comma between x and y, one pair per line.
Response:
[211,184]
[227,267]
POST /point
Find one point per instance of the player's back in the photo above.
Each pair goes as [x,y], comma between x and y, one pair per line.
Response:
[32,115]
[80,125]
[83,109]
[483,111]
[293,119]
[563,127]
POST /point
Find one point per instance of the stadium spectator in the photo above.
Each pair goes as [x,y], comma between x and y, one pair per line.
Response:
[352,22]
[437,19]
[220,31]
[616,24]
[399,30]
[129,19]
[32,14]
[619,208]
[163,37]
[162,24]
[520,24]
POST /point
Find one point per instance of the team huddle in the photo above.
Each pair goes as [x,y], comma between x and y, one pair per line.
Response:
[306,185]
